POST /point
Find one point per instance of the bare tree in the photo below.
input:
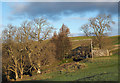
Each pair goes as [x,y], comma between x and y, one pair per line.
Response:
[26,47]
[9,48]
[34,34]
[85,29]
[42,32]
[98,27]
[42,28]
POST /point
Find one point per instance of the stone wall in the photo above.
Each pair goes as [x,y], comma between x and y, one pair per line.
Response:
[100,52]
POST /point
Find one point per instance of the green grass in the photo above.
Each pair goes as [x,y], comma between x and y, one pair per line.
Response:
[85,37]
[98,69]
[80,38]
[66,61]
[76,41]
[116,39]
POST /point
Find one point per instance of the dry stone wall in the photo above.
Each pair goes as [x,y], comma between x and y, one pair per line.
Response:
[100,52]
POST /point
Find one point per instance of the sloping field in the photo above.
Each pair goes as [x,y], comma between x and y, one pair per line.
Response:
[80,38]
[116,39]
[97,69]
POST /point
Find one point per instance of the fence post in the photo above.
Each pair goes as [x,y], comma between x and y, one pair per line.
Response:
[91,49]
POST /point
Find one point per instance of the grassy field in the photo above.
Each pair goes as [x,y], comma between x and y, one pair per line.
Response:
[116,39]
[84,37]
[97,69]
[79,38]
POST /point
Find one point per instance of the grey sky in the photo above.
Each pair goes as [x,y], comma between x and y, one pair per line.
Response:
[53,10]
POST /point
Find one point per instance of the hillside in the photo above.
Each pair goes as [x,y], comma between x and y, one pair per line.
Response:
[82,40]
[97,69]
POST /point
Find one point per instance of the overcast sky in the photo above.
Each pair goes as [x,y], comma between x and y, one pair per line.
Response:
[72,14]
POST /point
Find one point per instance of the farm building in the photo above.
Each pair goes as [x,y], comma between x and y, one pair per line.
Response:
[86,50]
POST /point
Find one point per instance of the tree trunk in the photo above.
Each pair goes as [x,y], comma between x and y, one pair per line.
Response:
[39,71]
[7,76]
[16,72]
[29,55]
[100,46]
[100,43]
[22,73]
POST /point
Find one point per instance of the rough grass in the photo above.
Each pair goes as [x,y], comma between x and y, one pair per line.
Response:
[97,69]
[84,37]
[116,39]
[80,38]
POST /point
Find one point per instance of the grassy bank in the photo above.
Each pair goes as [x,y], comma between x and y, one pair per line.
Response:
[97,69]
